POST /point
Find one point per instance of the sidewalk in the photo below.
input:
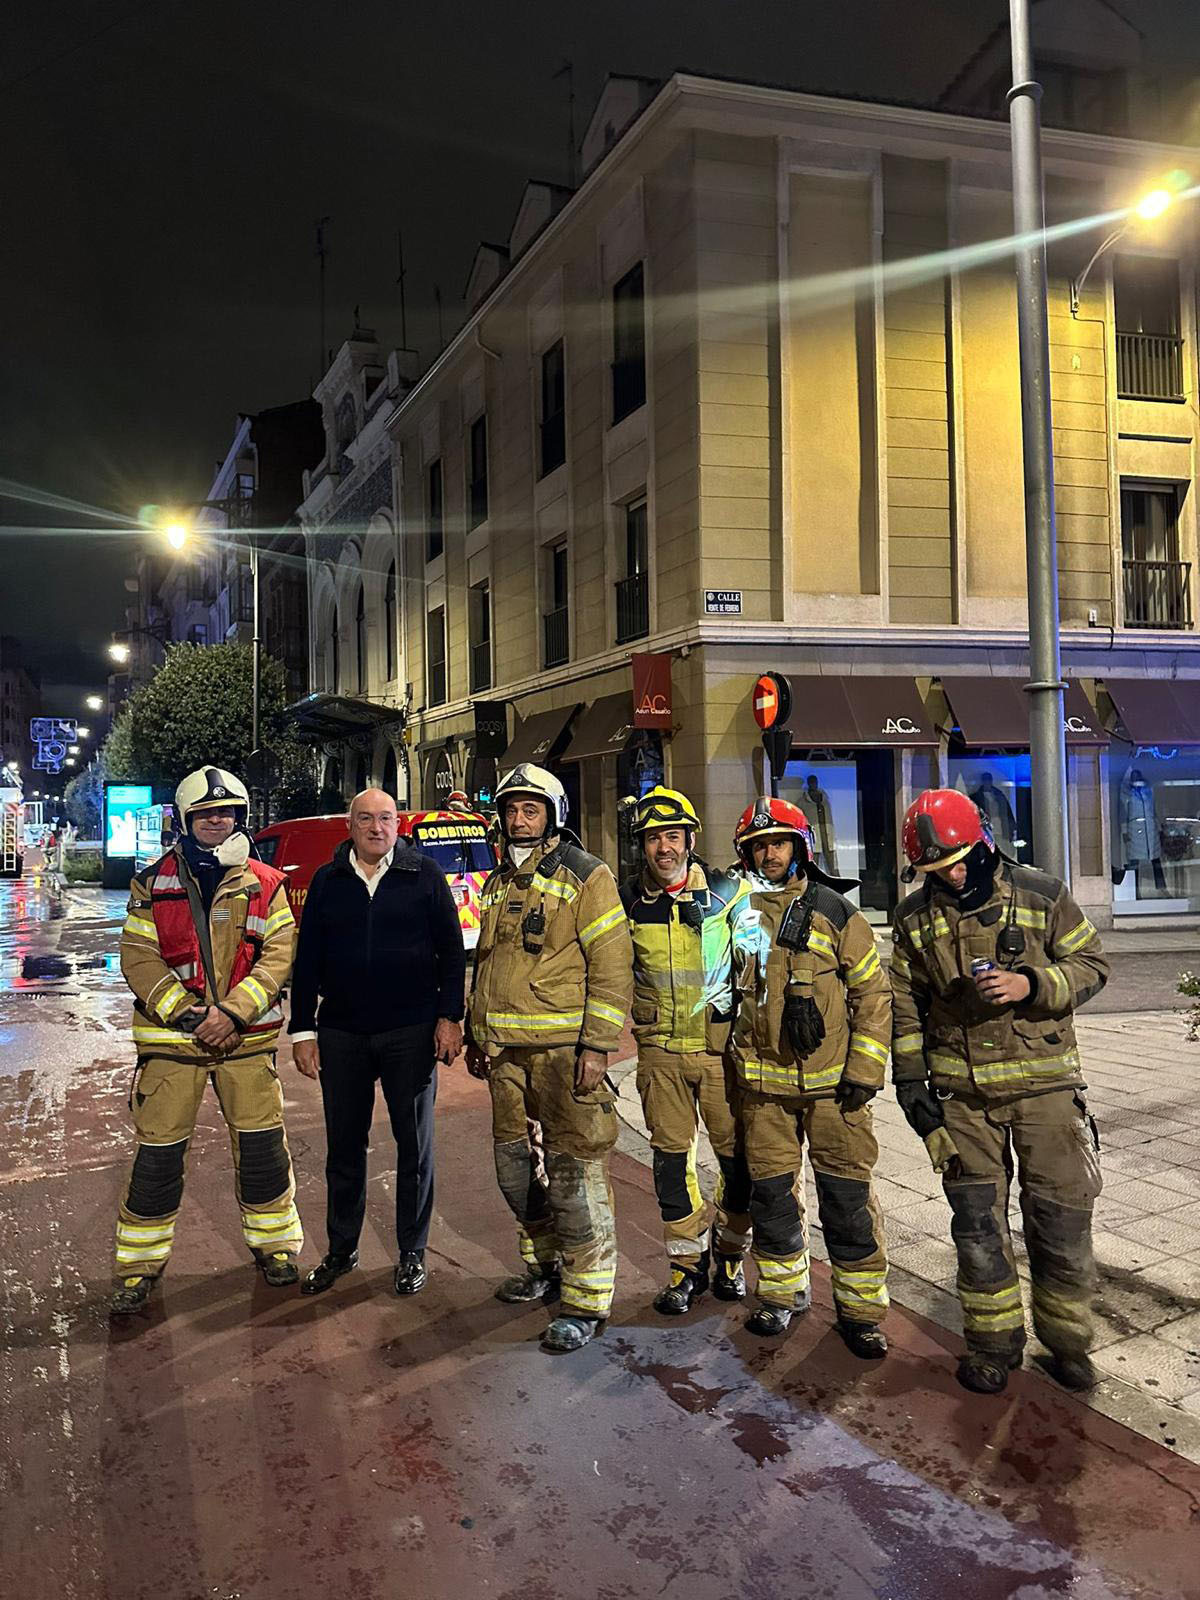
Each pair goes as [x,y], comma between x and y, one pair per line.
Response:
[1141,1076]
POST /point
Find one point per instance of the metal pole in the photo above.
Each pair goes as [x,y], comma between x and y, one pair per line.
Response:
[256,642]
[1045,689]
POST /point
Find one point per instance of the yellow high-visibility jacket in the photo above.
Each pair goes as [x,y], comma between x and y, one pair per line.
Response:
[554,966]
[944,1030]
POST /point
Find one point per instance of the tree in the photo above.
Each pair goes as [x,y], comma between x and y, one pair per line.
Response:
[83,799]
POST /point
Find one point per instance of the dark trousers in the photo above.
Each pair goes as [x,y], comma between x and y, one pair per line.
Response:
[402,1060]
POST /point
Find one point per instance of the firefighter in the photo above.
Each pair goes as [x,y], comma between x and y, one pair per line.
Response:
[458,800]
[206,948]
[989,962]
[678,910]
[552,986]
[809,1045]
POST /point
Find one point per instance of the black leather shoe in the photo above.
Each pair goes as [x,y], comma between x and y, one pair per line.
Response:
[323,1275]
[411,1274]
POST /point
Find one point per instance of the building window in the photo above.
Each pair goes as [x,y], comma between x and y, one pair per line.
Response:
[633,590]
[435,657]
[479,624]
[1149,349]
[1157,583]
[360,639]
[197,634]
[629,344]
[555,630]
[389,621]
[434,537]
[554,409]
[479,472]
[334,654]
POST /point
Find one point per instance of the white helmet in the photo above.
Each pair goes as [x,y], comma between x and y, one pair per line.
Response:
[542,785]
[207,788]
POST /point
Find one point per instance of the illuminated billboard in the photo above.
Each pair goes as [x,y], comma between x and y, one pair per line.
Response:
[122,802]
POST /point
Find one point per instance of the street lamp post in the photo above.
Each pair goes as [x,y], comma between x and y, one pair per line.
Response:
[1047,747]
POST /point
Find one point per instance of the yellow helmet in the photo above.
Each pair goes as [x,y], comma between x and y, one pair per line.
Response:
[664,808]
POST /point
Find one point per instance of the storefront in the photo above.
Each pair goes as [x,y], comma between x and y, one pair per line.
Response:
[1154,795]
[617,764]
[862,749]
[541,738]
[354,739]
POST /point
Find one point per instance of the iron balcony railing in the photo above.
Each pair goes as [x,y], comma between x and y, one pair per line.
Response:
[1158,594]
[555,638]
[633,607]
[481,666]
[1149,366]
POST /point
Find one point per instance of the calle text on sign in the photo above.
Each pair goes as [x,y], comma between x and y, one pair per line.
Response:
[651,689]
[723,602]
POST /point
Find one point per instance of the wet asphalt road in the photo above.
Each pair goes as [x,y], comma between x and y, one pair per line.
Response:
[250,1444]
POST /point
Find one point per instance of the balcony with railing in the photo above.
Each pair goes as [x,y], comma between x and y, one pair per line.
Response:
[1158,594]
[1149,366]
[633,607]
[555,637]
[481,666]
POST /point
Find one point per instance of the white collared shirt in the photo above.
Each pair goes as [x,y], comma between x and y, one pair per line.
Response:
[372,882]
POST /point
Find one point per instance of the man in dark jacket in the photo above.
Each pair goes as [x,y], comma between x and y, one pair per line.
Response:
[381,948]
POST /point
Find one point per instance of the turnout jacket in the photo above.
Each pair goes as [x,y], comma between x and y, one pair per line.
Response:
[942,1027]
[840,971]
[682,959]
[239,958]
[553,963]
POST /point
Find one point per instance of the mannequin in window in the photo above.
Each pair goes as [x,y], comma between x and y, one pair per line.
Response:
[993,802]
[1141,841]
[820,813]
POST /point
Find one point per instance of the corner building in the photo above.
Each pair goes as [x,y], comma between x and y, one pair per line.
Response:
[749,398]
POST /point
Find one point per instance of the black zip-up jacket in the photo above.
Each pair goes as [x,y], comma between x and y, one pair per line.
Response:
[382,962]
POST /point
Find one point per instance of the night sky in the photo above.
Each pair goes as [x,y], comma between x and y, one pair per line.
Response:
[164,163]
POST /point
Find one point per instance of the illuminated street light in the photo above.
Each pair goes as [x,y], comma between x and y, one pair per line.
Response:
[1148,209]
[94,702]
[72,749]
[176,534]
[70,761]
[1153,205]
[118,651]
[83,733]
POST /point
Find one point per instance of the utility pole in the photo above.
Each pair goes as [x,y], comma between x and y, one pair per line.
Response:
[567,71]
[322,256]
[1047,745]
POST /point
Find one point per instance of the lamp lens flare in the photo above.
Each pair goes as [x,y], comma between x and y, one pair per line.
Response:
[1153,204]
[94,703]
[119,652]
[176,534]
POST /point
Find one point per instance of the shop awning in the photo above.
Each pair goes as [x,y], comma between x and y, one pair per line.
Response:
[859,711]
[322,718]
[536,738]
[603,728]
[995,712]
[1157,710]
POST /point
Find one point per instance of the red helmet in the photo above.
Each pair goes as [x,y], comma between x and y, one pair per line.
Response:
[770,816]
[941,827]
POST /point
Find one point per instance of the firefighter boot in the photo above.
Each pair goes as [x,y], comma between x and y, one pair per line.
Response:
[537,1283]
[687,1284]
[863,1339]
[985,1371]
[131,1296]
[1073,1371]
[278,1268]
[571,1333]
[729,1277]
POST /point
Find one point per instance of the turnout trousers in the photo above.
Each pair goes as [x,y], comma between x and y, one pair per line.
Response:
[565,1213]
[1054,1144]
[402,1061]
[842,1152]
[165,1100]
[679,1092]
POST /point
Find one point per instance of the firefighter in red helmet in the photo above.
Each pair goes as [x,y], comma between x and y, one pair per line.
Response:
[989,962]
[809,1046]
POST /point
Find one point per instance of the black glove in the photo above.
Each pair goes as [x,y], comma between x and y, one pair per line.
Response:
[924,1115]
[852,1096]
[802,1022]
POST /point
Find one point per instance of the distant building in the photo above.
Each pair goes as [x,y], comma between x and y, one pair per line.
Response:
[19,702]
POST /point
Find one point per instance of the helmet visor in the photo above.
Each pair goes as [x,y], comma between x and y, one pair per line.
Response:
[947,860]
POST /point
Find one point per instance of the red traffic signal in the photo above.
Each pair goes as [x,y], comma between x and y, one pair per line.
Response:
[772,700]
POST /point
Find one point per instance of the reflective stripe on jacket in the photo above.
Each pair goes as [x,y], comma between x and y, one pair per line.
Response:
[840,971]
[944,1030]
[252,933]
[682,974]
[565,983]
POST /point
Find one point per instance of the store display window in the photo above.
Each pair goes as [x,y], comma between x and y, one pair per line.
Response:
[1154,798]
[999,784]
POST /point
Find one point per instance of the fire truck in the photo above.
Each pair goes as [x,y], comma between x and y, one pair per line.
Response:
[12,833]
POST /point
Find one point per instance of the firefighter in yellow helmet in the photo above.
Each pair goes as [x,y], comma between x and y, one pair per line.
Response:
[990,961]
[206,948]
[810,1044]
[551,995]
[678,910]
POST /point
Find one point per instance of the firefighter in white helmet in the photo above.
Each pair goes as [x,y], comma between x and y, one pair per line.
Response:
[206,948]
[553,975]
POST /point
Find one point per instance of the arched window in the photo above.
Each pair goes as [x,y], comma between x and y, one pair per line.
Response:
[360,640]
[389,621]
[334,664]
